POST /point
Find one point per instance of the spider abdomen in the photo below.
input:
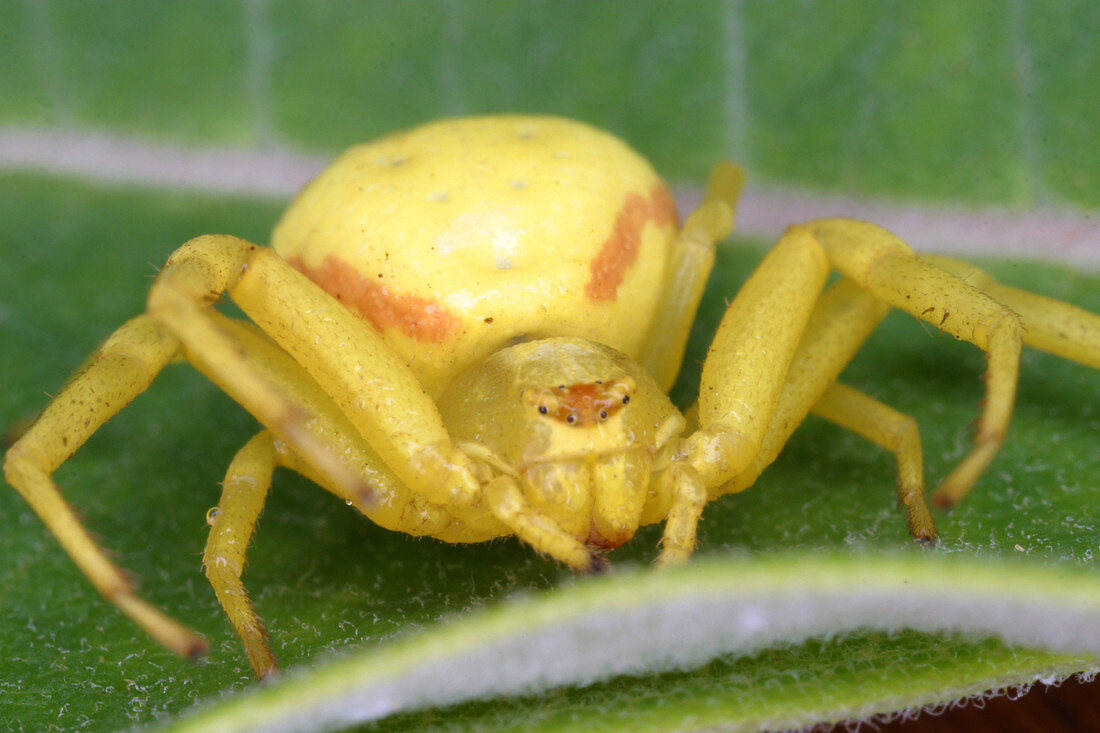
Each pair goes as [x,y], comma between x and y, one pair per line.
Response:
[460,237]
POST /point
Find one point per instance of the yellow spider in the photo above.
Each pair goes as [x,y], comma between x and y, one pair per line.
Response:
[467,331]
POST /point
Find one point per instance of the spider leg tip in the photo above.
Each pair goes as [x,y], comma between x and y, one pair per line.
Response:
[269,675]
[943,502]
[196,649]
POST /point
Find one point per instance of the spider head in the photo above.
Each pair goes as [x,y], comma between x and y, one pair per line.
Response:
[575,422]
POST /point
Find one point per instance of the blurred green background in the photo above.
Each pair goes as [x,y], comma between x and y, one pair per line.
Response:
[988,101]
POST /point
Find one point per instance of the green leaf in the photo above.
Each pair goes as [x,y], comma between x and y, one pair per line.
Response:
[986,102]
[820,524]
[714,613]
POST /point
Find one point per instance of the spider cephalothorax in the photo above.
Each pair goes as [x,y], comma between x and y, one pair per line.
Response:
[581,452]
[467,331]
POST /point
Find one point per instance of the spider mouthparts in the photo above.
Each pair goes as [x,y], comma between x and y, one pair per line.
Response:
[597,541]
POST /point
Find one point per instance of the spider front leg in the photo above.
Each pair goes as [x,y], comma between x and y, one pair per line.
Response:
[249,477]
[844,316]
[375,390]
[1048,324]
[887,268]
[742,381]
[746,365]
[743,378]
[121,370]
[771,361]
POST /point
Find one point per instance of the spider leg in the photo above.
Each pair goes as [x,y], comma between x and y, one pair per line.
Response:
[742,382]
[122,369]
[194,277]
[327,426]
[386,500]
[248,479]
[376,391]
[689,266]
[231,526]
[770,361]
[883,265]
[1048,324]
[894,431]
[746,367]
[843,318]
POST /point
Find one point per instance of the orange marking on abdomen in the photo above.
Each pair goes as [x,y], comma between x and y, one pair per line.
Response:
[619,251]
[421,319]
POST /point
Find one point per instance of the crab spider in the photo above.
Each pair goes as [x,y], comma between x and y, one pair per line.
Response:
[468,330]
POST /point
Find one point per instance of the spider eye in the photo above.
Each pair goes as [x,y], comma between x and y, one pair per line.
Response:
[621,389]
[603,414]
[542,400]
[570,418]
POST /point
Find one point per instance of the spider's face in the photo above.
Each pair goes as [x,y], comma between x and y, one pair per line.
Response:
[577,423]
[586,461]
